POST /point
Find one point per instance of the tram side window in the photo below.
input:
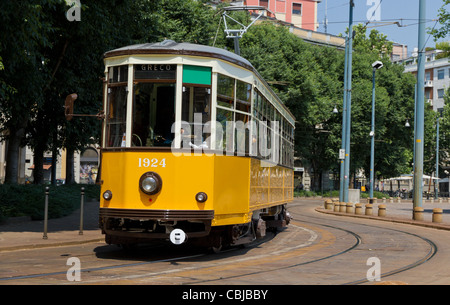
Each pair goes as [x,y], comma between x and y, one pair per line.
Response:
[224,141]
[243,96]
[225,91]
[196,111]
[242,134]
[116,115]
[118,74]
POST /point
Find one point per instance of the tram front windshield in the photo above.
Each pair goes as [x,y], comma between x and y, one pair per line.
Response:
[153,114]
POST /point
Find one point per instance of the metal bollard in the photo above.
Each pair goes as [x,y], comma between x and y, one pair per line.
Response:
[46,212]
[337,206]
[81,211]
[369,210]
[418,213]
[358,209]
[382,210]
[349,208]
[437,215]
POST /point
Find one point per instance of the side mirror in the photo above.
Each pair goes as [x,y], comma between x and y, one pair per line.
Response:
[68,106]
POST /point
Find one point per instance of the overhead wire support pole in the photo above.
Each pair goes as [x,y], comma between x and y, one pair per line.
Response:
[344,117]
[372,140]
[419,134]
[349,104]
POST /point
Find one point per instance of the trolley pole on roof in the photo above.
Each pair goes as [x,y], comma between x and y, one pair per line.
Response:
[235,34]
[348,92]
[419,130]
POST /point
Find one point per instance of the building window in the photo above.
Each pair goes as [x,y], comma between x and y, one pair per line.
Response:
[88,166]
[440,93]
[296,8]
[264,3]
[441,74]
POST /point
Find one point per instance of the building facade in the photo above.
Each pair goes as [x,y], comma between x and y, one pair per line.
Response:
[437,77]
[86,164]
[301,13]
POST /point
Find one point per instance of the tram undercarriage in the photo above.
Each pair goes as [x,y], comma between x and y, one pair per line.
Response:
[128,231]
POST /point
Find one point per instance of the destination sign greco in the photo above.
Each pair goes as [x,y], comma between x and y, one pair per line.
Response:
[155,71]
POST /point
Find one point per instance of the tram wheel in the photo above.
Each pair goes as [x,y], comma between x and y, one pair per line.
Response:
[217,247]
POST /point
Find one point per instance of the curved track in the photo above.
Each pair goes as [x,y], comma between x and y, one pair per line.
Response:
[314,249]
[421,260]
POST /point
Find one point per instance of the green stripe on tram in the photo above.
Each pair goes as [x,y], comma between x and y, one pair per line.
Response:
[197,75]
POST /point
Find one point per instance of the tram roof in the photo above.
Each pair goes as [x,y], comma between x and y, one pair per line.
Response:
[180,48]
[183,48]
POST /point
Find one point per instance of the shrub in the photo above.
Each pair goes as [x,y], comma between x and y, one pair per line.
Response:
[29,200]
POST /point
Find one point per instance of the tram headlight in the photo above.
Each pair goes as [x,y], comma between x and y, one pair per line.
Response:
[107,195]
[201,197]
[150,183]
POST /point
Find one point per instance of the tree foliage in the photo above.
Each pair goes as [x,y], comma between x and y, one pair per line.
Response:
[309,79]
[444,21]
[44,57]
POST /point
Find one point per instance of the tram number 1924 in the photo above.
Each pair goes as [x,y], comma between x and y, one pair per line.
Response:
[146,162]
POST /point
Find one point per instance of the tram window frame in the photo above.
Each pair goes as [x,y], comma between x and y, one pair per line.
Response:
[226,91]
[156,132]
[188,116]
[118,74]
[224,140]
[243,96]
[116,115]
[116,106]
[233,99]
[242,134]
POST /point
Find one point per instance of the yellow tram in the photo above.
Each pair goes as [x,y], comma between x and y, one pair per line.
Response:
[195,145]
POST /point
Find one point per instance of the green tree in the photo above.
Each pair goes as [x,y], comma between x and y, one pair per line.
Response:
[307,79]
[45,57]
[444,20]
[445,47]
[24,36]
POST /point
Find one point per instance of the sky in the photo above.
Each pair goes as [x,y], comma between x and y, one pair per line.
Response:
[388,11]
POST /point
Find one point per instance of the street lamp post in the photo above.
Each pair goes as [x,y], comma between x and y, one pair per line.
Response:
[436,183]
[376,65]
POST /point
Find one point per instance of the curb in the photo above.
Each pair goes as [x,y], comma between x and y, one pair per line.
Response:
[49,245]
[426,224]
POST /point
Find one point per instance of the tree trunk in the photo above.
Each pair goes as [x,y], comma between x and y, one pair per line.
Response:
[12,155]
[38,171]
[70,176]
